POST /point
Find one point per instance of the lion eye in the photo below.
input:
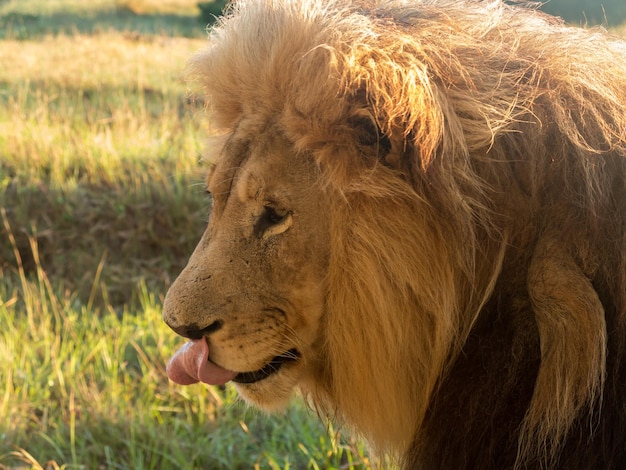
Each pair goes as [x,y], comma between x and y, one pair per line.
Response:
[271,215]
[271,222]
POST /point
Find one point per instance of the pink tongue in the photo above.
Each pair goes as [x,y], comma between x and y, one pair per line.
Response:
[190,365]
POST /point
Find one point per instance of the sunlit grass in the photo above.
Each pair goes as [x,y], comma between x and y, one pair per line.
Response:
[108,59]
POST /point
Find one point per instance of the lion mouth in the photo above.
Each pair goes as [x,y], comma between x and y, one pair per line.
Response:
[271,368]
[191,364]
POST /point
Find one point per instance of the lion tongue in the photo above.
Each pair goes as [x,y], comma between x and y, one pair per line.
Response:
[190,364]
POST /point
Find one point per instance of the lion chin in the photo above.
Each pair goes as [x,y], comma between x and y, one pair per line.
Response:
[272,393]
[419,222]
[271,387]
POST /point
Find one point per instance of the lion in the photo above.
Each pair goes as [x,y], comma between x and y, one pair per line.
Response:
[419,221]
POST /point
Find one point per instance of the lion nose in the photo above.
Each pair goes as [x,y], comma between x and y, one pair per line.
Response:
[195,331]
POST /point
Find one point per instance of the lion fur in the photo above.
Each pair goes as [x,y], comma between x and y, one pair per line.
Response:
[476,308]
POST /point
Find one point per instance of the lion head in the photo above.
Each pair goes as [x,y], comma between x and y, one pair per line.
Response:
[419,220]
[255,283]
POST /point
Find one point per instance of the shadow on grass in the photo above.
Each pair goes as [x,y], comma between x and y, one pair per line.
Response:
[127,237]
[29,26]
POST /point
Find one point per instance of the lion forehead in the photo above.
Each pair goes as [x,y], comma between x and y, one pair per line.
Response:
[263,166]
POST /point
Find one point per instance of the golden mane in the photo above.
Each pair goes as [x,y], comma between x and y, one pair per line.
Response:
[500,199]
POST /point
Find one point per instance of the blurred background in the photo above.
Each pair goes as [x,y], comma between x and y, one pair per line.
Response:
[610,13]
[101,203]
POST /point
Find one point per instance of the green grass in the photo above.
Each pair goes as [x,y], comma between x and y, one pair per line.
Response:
[101,203]
[86,388]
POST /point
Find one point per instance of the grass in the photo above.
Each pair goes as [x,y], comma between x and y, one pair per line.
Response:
[98,131]
[29,19]
[101,203]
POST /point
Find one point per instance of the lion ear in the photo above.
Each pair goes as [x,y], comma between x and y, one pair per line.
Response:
[370,137]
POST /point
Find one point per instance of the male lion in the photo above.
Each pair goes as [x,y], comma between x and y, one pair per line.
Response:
[419,220]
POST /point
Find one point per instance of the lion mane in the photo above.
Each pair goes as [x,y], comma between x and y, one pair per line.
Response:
[475,314]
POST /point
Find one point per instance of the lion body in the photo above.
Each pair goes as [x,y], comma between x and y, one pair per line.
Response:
[468,163]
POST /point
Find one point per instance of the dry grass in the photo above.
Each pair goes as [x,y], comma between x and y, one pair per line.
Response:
[109,59]
[162,6]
